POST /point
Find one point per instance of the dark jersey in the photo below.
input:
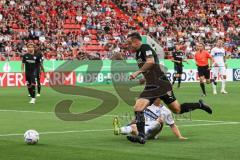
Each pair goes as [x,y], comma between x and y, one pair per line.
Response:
[178,56]
[30,62]
[155,73]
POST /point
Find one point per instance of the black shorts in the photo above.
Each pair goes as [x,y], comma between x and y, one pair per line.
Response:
[178,69]
[162,90]
[204,71]
[30,78]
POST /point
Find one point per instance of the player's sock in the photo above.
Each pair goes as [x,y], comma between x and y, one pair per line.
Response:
[179,81]
[29,91]
[223,85]
[202,85]
[187,107]
[140,122]
[33,91]
[214,81]
[126,130]
[214,86]
[174,79]
[39,89]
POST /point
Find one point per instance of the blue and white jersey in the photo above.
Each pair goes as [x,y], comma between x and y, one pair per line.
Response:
[218,55]
[152,113]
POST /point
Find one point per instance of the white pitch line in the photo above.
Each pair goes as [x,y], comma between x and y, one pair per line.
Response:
[103,130]
[107,115]
[18,111]
[199,120]
[57,132]
[39,112]
[209,124]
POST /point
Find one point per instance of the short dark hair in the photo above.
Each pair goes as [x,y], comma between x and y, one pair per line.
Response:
[135,35]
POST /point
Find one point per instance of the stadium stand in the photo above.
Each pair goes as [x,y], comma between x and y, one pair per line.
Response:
[96,29]
[187,22]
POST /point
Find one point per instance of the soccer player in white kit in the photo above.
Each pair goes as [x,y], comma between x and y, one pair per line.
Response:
[219,66]
[155,116]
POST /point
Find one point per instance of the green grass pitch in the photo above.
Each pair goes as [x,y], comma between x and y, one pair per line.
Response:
[211,137]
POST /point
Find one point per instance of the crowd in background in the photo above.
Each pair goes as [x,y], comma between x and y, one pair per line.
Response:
[102,24]
[188,22]
[44,21]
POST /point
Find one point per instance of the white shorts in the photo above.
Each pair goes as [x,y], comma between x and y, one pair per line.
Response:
[219,71]
[152,128]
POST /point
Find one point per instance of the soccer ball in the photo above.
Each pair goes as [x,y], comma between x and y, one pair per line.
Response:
[31,137]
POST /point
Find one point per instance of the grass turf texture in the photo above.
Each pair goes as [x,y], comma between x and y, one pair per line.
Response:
[208,139]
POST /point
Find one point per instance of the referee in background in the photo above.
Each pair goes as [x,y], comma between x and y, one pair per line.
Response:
[202,58]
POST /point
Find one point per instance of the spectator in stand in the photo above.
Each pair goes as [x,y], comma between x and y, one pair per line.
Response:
[47,20]
[59,24]
[187,21]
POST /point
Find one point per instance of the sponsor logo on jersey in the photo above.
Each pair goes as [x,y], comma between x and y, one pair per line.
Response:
[220,54]
[31,61]
[149,53]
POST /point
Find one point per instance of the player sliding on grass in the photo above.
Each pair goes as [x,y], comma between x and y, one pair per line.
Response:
[155,116]
[157,86]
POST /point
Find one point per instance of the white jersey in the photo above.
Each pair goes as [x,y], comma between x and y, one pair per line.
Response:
[152,113]
[218,55]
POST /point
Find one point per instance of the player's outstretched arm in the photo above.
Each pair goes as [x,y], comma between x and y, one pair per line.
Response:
[177,132]
[185,60]
[175,61]
[147,66]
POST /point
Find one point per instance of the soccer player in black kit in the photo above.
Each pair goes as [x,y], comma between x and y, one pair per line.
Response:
[178,59]
[29,62]
[157,86]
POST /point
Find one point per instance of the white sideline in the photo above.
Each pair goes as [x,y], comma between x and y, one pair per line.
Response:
[107,115]
[103,130]
[57,132]
[209,124]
